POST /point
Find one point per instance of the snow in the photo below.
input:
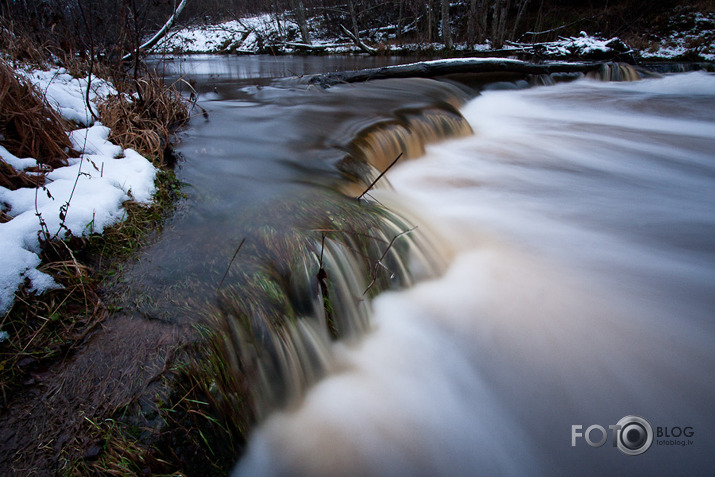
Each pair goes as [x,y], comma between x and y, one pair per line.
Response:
[67,94]
[16,162]
[82,198]
[252,34]
[245,35]
[679,43]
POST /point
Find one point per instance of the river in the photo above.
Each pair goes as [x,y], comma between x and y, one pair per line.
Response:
[579,224]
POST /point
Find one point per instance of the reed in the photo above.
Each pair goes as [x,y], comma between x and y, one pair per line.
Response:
[29,127]
[145,116]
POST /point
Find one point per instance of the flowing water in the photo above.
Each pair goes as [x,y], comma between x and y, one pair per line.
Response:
[578,222]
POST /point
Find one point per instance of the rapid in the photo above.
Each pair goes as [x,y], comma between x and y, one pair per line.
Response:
[560,278]
[581,290]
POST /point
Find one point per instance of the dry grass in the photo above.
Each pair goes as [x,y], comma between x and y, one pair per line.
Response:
[145,117]
[12,179]
[46,327]
[29,127]
[21,47]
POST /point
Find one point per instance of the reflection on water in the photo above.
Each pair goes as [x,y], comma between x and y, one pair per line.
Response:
[582,291]
[214,71]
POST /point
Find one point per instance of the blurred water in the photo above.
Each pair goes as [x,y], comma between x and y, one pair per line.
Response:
[268,144]
[582,290]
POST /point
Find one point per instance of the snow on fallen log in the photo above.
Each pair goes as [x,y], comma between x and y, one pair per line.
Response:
[358,41]
[305,46]
[158,35]
[434,68]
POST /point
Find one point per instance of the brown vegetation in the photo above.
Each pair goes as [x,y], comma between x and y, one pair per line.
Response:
[29,127]
[12,179]
[40,326]
[45,424]
[146,120]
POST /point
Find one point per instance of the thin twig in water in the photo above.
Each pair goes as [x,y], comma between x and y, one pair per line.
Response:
[322,247]
[380,176]
[230,263]
[379,263]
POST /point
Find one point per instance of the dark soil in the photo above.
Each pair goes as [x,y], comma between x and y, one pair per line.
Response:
[58,417]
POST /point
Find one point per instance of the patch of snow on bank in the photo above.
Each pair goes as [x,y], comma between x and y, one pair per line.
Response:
[698,39]
[248,34]
[82,198]
[67,94]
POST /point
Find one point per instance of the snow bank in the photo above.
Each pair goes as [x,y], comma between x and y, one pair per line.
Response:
[253,34]
[67,94]
[82,198]
[247,35]
[680,42]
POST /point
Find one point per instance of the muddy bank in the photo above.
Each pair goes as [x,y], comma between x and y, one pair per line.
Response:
[64,412]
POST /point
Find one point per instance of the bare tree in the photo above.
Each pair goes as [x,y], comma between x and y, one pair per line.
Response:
[300,16]
[522,8]
[428,12]
[400,20]
[499,21]
[476,22]
[446,25]
[354,18]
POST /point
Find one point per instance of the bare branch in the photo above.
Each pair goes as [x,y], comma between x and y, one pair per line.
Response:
[230,263]
[380,176]
[379,263]
[159,35]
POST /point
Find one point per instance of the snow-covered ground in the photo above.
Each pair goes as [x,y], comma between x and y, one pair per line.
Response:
[82,198]
[247,35]
[697,38]
[279,32]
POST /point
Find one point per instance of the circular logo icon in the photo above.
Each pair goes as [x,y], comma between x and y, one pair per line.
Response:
[634,436]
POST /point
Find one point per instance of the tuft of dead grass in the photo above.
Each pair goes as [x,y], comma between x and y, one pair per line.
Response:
[145,117]
[29,127]
[12,179]
[21,47]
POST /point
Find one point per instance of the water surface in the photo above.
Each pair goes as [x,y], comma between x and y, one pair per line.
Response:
[582,289]
[582,292]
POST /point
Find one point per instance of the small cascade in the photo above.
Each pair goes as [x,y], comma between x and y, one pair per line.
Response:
[583,253]
[605,72]
[298,290]
[376,147]
[615,72]
[305,285]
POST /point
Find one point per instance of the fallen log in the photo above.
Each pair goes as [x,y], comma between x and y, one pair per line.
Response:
[358,41]
[158,35]
[435,68]
[305,46]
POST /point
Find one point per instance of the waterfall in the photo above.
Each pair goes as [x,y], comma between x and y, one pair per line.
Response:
[570,298]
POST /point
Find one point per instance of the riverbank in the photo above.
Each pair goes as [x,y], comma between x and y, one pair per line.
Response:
[127,405]
[685,35]
[87,179]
